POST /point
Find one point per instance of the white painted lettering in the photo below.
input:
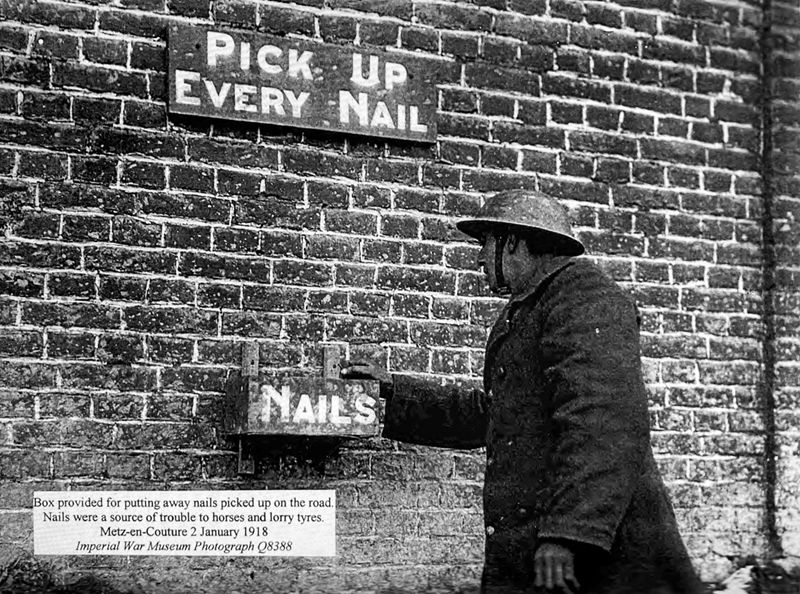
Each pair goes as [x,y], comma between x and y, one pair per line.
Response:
[281,398]
[299,64]
[241,96]
[381,118]
[335,418]
[401,117]
[218,45]
[261,58]
[365,407]
[360,107]
[244,56]
[305,410]
[272,98]
[358,72]
[414,117]
[396,74]
[296,102]
[322,408]
[183,88]
[217,97]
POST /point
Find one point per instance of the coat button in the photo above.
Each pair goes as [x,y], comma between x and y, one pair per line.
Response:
[489,461]
[522,511]
[501,371]
[489,530]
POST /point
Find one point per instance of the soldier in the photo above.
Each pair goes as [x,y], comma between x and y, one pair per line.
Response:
[573,499]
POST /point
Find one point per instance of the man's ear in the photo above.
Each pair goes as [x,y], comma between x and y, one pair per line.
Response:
[513,242]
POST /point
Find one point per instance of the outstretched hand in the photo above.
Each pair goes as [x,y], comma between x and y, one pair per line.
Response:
[367,371]
[555,566]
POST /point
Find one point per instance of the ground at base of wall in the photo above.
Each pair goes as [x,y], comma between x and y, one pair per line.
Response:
[28,576]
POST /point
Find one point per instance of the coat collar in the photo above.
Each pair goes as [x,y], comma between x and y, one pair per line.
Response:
[503,324]
[550,268]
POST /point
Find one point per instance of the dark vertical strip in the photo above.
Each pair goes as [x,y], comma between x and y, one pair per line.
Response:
[769,278]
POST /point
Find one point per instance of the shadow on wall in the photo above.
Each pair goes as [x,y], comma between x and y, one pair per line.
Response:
[28,575]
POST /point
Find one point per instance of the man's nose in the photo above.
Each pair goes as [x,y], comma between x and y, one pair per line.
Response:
[481,259]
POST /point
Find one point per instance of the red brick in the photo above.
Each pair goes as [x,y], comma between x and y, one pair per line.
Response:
[648,99]
[268,212]
[594,38]
[231,239]
[127,466]
[70,314]
[38,225]
[273,298]
[99,170]
[105,50]
[169,350]
[530,30]
[380,33]
[418,38]
[195,179]
[100,79]
[27,374]
[368,304]
[54,45]
[14,37]
[453,17]
[327,301]
[16,69]
[14,404]
[563,85]
[423,254]
[25,464]
[485,76]
[334,248]
[608,66]
[220,266]
[186,378]
[165,436]
[366,329]
[99,111]
[176,466]
[70,345]
[41,106]
[107,377]
[140,24]
[21,344]
[337,28]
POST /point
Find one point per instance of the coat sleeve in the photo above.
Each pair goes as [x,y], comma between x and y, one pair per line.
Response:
[424,412]
[599,416]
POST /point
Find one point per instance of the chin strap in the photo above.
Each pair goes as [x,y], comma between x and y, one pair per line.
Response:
[499,247]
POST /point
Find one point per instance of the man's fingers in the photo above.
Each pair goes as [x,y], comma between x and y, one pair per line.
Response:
[548,572]
[569,574]
[538,566]
[558,571]
[563,569]
[349,368]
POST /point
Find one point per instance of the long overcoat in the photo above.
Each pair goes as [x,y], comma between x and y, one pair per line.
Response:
[563,416]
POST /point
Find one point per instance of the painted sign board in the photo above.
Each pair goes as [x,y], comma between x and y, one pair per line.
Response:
[254,77]
[302,406]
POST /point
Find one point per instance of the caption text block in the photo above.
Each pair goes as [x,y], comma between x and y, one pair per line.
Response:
[270,523]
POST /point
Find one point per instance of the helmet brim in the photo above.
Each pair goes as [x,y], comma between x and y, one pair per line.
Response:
[563,245]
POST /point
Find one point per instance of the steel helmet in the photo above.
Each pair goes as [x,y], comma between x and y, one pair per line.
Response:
[533,213]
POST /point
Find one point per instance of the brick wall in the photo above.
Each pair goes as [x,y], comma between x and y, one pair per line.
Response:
[142,249]
[785,196]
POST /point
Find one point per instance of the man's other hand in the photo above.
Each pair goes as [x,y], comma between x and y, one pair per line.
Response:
[555,567]
[365,371]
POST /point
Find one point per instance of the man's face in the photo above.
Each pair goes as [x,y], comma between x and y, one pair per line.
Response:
[486,259]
